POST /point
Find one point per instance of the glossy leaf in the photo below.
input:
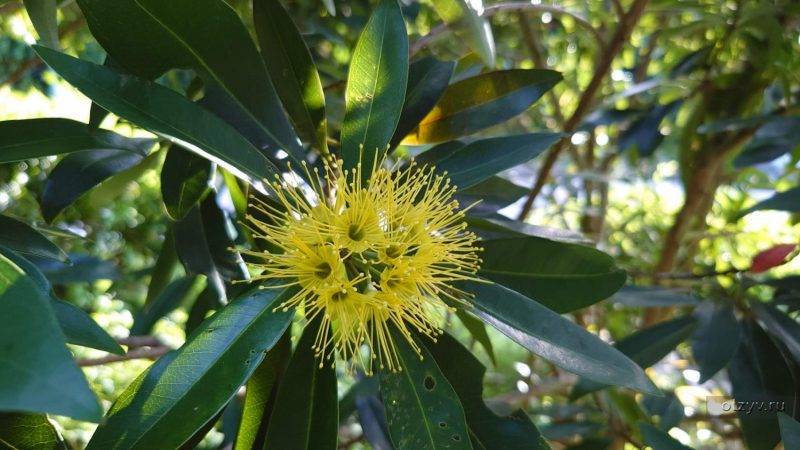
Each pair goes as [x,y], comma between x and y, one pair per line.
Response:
[172,297]
[790,431]
[186,34]
[376,86]
[780,325]
[645,347]
[36,138]
[305,415]
[22,238]
[185,388]
[185,180]
[487,430]
[781,201]
[564,277]
[260,395]
[477,329]
[498,228]
[422,408]
[773,257]
[773,139]
[717,338]
[292,71]
[494,194]
[96,112]
[38,372]
[165,112]
[658,439]
[469,24]
[44,17]
[481,102]
[84,269]
[427,80]
[482,159]
[554,337]
[758,373]
[23,431]
[78,173]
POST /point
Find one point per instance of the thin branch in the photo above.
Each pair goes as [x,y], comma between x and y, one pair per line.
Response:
[490,11]
[142,353]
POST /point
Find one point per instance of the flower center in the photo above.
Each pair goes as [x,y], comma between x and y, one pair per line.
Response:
[322,271]
[339,296]
[356,232]
[393,251]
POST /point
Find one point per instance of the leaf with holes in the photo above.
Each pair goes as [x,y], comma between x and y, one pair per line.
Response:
[185,388]
[487,430]
[422,408]
[481,102]
[306,409]
[376,86]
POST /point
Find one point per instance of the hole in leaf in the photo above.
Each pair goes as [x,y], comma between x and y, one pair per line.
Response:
[456,438]
[429,383]
[210,330]
[442,425]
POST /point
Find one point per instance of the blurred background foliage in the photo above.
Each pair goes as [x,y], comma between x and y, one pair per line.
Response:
[651,173]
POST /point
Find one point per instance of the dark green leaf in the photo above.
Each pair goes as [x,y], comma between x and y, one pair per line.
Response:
[470,25]
[292,71]
[734,124]
[117,185]
[305,415]
[758,373]
[22,431]
[186,34]
[669,409]
[96,112]
[164,112]
[78,327]
[260,395]
[658,439]
[786,329]
[790,431]
[376,86]
[187,387]
[645,133]
[365,387]
[604,117]
[372,418]
[592,444]
[569,429]
[22,238]
[172,297]
[493,193]
[691,62]
[716,339]
[645,347]
[44,17]
[164,269]
[781,201]
[35,138]
[498,228]
[477,329]
[481,102]
[78,173]
[185,180]
[554,338]
[653,296]
[487,430]
[427,80]
[480,160]
[422,408]
[37,369]
[775,138]
[564,277]
[439,152]
[84,269]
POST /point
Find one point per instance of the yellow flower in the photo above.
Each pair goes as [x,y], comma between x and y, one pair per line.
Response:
[367,258]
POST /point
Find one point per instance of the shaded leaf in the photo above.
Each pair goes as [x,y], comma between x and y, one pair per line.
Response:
[422,408]
[292,71]
[487,430]
[84,269]
[786,329]
[775,138]
[564,277]
[469,24]
[23,431]
[669,409]
[44,17]
[96,112]
[717,337]
[790,431]
[553,337]
[494,194]
[172,297]
[376,86]
[781,201]
[163,111]
[78,173]
[645,132]
[305,415]
[38,372]
[477,329]
[645,347]
[22,238]
[658,439]
[653,296]
[480,102]
[185,388]
[164,269]
[365,387]
[564,430]
[185,181]
[427,80]
[498,228]
[372,418]
[35,138]
[117,185]
[605,117]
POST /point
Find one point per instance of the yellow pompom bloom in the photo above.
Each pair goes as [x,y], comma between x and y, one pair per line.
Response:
[367,258]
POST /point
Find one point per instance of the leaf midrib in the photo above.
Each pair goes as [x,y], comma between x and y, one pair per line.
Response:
[407,376]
